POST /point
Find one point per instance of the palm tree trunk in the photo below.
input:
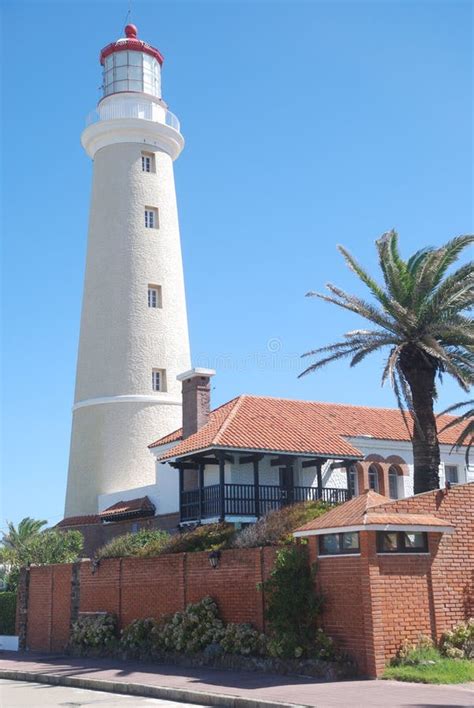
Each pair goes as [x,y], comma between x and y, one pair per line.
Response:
[420,375]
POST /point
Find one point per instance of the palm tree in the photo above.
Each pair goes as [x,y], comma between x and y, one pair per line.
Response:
[466,436]
[16,538]
[421,315]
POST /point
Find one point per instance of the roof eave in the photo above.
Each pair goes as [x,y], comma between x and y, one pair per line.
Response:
[429,528]
[265,451]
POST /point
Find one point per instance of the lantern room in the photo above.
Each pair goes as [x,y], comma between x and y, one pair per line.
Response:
[131,65]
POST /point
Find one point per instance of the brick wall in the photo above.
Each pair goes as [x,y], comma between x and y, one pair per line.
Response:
[147,587]
[374,602]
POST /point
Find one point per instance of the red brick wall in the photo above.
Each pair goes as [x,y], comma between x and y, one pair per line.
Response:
[49,607]
[374,602]
[150,587]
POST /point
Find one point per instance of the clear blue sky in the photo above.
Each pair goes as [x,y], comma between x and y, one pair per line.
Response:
[307,125]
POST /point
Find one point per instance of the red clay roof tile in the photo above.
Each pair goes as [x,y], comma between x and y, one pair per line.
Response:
[284,425]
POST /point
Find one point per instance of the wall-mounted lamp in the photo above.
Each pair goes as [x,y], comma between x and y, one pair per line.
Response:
[214,558]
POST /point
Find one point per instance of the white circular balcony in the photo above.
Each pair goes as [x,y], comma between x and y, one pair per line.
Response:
[131,108]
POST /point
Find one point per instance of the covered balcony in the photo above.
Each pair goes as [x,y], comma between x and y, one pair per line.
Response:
[229,486]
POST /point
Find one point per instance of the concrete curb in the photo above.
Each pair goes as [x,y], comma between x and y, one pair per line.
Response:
[183,695]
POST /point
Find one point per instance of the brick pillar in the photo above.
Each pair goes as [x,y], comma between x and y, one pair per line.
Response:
[371,606]
[363,476]
[22,607]
[383,479]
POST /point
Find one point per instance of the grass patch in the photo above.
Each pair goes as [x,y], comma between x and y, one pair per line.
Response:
[443,671]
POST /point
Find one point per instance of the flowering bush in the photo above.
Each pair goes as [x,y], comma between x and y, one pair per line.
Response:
[459,642]
[94,630]
[276,527]
[137,637]
[208,537]
[243,639]
[190,631]
[130,544]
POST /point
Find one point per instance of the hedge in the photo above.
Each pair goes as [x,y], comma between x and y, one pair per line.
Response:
[7,613]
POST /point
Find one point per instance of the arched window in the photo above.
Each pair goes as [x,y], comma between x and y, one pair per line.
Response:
[353,483]
[374,478]
[393,482]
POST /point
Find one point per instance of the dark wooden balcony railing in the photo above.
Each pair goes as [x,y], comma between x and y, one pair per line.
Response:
[239,499]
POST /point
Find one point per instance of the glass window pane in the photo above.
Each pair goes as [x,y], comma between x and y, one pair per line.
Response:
[120,86]
[109,62]
[120,58]
[329,543]
[135,73]
[415,540]
[393,484]
[350,541]
[135,58]
[135,86]
[121,73]
[388,541]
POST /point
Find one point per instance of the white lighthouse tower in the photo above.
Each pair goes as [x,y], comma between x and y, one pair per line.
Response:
[134,333]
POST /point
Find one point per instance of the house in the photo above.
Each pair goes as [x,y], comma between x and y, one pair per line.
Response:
[256,453]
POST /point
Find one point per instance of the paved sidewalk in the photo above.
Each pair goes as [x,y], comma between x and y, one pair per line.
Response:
[227,688]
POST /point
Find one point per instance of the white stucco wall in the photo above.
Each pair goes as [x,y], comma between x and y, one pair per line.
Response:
[121,338]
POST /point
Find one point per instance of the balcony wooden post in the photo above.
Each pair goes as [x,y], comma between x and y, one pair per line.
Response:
[290,482]
[256,486]
[348,466]
[181,487]
[201,490]
[221,458]
[320,479]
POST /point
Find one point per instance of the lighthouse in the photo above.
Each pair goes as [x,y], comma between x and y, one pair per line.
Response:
[134,333]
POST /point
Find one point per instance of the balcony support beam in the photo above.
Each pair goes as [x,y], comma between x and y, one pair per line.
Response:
[221,459]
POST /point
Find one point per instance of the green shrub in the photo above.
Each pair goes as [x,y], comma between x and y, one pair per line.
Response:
[137,637]
[243,639]
[131,543]
[276,527]
[415,653]
[190,631]
[7,613]
[94,631]
[459,642]
[208,537]
[293,606]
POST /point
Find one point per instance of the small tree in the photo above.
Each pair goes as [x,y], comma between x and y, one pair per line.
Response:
[293,604]
[43,548]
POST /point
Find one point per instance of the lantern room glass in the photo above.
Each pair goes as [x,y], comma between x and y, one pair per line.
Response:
[131,71]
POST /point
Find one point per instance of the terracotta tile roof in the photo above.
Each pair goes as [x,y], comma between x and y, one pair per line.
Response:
[350,513]
[132,507]
[365,511]
[79,520]
[284,425]
[378,518]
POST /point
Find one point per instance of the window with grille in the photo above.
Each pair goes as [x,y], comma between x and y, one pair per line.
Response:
[148,162]
[158,380]
[374,478]
[154,296]
[451,474]
[151,218]
[393,482]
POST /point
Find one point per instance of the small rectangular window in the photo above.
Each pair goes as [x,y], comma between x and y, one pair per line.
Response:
[334,544]
[402,542]
[151,218]
[148,162]
[158,380]
[451,473]
[154,296]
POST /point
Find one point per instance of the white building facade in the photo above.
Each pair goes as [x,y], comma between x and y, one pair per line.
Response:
[134,332]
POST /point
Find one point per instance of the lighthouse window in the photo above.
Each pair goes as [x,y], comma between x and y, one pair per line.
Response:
[154,296]
[148,162]
[131,71]
[151,218]
[158,380]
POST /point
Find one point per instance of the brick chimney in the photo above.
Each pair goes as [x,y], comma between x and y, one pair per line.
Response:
[196,399]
